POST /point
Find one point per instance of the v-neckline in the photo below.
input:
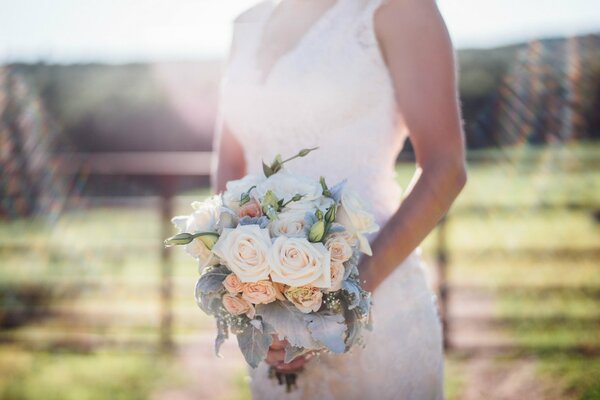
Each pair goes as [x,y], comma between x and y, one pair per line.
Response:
[264,76]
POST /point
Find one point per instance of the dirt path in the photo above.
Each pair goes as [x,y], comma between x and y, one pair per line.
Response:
[204,376]
[486,376]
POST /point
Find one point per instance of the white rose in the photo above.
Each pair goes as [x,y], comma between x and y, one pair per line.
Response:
[297,262]
[356,219]
[234,190]
[286,185]
[244,250]
[203,219]
[289,223]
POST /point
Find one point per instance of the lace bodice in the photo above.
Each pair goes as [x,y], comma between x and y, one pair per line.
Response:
[331,90]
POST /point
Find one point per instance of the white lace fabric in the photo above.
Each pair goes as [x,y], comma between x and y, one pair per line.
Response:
[333,90]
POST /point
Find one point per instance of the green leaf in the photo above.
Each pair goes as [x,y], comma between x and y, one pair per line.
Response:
[328,329]
[254,344]
[288,322]
[267,170]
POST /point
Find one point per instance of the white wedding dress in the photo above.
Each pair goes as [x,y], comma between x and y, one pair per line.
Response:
[333,90]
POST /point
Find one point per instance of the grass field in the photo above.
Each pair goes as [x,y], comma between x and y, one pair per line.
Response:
[82,293]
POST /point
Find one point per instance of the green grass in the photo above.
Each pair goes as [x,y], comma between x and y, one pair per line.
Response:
[107,262]
[69,376]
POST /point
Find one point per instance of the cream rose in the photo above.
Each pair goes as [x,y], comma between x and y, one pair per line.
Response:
[244,250]
[289,223]
[355,217]
[337,276]
[237,306]
[306,298]
[261,292]
[233,284]
[340,249]
[297,262]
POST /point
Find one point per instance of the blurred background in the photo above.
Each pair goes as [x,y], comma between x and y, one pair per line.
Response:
[106,120]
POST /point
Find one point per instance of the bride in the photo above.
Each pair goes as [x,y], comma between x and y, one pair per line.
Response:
[356,78]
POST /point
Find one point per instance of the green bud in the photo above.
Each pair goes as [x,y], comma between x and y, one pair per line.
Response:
[297,197]
[207,238]
[317,231]
[319,215]
[305,152]
[271,213]
[330,214]
[270,201]
[179,239]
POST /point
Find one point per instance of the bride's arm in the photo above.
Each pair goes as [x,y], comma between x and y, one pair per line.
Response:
[229,163]
[419,54]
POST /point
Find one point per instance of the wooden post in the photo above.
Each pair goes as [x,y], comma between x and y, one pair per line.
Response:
[442,266]
[166,267]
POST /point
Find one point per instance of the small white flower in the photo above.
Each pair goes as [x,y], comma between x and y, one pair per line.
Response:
[203,219]
[234,190]
[356,219]
[286,185]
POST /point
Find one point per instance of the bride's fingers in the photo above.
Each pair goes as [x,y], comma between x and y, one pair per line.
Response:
[278,344]
[275,357]
[293,365]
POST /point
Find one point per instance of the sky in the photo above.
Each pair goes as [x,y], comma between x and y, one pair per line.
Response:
[117,31]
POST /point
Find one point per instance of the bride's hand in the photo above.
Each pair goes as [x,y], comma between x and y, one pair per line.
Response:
[276,355]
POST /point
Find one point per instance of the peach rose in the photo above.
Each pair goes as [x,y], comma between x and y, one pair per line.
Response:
[337,276]
[306,298]
[251,209]
[237,306]
[279,289]
[261,292]
[233,284]
[339,248]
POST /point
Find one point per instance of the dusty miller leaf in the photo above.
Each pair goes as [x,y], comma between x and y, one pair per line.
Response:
[353,293]
[328,329]
[254,344]
[292,352]
[288,322]
[212,279]
[222,334]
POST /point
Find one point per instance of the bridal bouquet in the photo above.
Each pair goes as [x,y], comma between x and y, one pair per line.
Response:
[278,256]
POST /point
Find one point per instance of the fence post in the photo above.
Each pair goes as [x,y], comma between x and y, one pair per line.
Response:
[166,267]
[442,266]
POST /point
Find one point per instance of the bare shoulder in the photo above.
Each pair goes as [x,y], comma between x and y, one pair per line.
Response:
[414,20]
[251,14]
